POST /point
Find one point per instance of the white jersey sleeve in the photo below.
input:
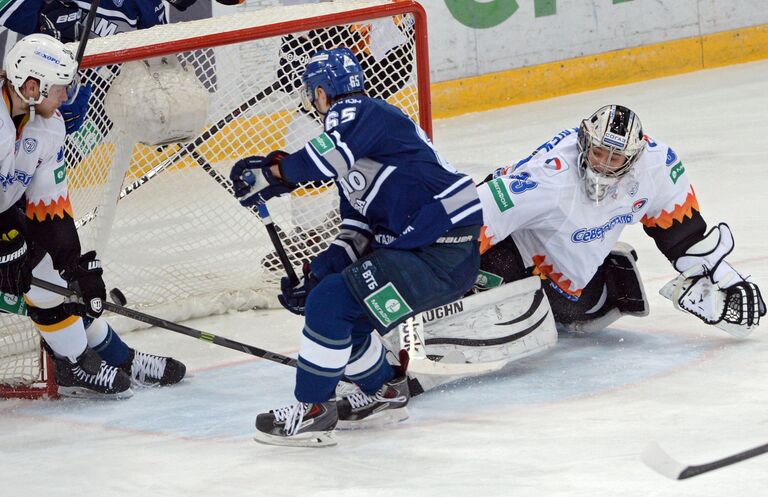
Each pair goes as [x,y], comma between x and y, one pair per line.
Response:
[674,198]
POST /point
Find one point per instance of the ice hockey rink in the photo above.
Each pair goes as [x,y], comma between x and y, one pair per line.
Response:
[571,421]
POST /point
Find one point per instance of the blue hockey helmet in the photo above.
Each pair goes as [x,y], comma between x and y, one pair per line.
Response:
[336,71]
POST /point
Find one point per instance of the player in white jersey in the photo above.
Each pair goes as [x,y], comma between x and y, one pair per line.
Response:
[559,213]
[38,235]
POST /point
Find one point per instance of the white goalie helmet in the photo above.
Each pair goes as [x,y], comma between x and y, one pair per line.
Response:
[45,59]
[610,143]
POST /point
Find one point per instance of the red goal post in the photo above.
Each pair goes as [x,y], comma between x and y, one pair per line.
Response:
[170,235]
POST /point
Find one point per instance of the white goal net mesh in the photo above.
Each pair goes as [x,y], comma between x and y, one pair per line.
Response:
[178,244]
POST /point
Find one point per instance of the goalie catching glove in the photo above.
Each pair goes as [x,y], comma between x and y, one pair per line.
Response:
[84,277]
[254,182]
[710,289]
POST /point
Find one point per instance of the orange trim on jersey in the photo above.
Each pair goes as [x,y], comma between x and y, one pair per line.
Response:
[486,242]
[547,272]
[40,211]
[52,328]
[679,213]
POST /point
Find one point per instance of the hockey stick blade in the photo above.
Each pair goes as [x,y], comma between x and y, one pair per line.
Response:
[657,459]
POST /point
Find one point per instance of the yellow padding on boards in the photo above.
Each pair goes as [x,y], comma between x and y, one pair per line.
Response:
[527,84]
[52,328]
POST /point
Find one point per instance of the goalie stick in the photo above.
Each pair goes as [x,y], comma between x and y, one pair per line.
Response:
[661,462]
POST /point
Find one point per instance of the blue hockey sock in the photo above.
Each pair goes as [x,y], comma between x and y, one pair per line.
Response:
[326,342]
[103,339]
[368,366]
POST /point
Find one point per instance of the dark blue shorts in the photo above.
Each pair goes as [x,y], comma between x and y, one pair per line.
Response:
[392,285]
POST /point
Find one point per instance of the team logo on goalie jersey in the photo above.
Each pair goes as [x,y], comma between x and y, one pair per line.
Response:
[671,157]
[639,204]
[555,165]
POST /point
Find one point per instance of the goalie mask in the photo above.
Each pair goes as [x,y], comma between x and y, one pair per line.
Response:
[336,71]
[610,143]
[45,59]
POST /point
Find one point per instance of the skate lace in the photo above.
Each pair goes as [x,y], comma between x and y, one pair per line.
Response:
[147,365]
[362,399]
[292,416]
[104,377]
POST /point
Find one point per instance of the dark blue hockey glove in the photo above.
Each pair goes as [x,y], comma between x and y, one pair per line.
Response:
[74,113]
[294,298]
[253,181]
[61,19]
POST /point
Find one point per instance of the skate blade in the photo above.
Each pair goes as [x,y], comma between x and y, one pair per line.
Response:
[84,393]
[378,420]
[310,439]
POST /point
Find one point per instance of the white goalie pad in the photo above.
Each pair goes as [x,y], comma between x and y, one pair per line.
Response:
[158,101]
[479,334]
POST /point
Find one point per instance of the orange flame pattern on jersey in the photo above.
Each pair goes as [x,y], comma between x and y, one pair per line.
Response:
[486,242]
[40,211]
[679,212]
[547,271]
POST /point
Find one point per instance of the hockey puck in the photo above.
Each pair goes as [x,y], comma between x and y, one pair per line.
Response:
[117,297]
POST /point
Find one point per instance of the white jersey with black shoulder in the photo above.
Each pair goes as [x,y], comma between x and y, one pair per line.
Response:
[542,204]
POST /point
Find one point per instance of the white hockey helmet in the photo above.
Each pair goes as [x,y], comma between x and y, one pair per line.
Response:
[610,143]
[45,59]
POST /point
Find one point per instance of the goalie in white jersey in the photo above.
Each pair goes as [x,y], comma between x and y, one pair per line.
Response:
[38,236]
[559,213]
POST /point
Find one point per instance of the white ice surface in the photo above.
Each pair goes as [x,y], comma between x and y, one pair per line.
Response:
[570,422]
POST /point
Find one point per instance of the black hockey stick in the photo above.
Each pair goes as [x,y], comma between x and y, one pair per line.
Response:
[178,328]
[658,460]
[86,32]
[277,243]
[261,211]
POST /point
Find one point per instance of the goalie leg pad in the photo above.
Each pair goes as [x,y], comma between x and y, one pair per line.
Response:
[481,333]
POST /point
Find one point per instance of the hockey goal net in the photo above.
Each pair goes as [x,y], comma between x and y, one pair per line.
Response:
[162,217]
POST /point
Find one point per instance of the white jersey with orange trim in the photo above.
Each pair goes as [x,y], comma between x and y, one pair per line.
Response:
[542,204]
[32,162]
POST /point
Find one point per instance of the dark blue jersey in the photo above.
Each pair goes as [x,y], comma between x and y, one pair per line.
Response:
[393,184]
[112,16]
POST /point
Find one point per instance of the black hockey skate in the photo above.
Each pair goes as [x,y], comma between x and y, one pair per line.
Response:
[388,405]
[298,425]
[147,370]
[91,378]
